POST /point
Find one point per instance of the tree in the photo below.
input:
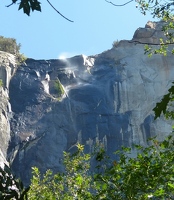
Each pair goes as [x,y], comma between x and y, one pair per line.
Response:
[74,183]
[11,188]
[10,45]
[148,175]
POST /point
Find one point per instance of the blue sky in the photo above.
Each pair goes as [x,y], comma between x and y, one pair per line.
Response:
[47,35]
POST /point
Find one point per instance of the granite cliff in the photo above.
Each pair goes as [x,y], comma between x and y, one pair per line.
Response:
[50,105]
[7,70]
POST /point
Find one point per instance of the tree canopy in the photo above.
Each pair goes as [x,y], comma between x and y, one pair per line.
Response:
[9,45]
[147,175]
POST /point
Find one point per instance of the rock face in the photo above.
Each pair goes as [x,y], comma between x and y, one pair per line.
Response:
[107,97]
[7,69]
[150,34]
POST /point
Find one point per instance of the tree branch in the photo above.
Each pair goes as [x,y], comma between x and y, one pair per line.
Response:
[59,12]
[119,4]
[138,42]
[13,2]
[10,5]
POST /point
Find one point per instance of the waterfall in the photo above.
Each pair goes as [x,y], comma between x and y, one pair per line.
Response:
[37,73]
[9,107]
[45,83]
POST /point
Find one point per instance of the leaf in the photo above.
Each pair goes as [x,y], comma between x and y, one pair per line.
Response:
[24,193]
[171,185]
[35,5]
[161,107]
[79,179]
[28,5]
[25,6]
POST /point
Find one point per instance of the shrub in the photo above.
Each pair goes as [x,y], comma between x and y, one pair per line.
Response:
[115,43]
[10,45]
[1,83]
[59,88]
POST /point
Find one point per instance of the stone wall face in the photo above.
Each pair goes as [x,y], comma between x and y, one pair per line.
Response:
[107,97]
[7,69]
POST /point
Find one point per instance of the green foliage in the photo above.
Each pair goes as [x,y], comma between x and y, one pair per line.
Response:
[73,183]
[11,188]
[163,105]
[147,175]
[20,58]
[10,45]
[59,88]
[158,9]
[28,5]
[1,83]
[45,188]
[163,47]
[161,50]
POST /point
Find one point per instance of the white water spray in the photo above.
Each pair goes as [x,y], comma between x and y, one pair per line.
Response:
[45,83]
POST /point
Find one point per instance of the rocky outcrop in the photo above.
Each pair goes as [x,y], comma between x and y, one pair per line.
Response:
[107,97]
[150,34]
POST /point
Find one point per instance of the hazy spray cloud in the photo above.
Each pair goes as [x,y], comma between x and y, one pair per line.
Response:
[77,76]
[65,55]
